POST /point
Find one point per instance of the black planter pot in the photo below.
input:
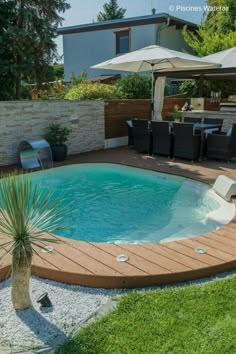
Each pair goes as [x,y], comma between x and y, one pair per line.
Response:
[59,152]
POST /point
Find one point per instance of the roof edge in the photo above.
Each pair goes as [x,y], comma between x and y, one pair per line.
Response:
[130,21]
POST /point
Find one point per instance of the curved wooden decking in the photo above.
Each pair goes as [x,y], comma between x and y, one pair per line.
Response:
[95,264]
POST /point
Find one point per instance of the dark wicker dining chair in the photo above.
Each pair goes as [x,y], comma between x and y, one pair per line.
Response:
[130,131]
[221,146]
[162,139]
[169,119]
[186,142]
[192,120]
[214,121]
[142,135]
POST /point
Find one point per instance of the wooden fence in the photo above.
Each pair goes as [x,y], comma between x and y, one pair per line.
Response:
[117,112]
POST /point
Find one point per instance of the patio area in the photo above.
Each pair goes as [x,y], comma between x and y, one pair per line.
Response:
[95,265]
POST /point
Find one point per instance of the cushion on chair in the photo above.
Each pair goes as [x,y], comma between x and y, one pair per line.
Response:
[229,132]
[130,124]
[210,131]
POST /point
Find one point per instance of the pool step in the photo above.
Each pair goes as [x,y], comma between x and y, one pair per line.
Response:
[225,187]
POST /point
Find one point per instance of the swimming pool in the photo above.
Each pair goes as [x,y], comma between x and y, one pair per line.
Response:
[120,204]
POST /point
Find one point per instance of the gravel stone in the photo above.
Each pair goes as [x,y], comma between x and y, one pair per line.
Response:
[38,327]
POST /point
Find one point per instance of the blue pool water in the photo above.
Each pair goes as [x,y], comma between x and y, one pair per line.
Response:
[118,204]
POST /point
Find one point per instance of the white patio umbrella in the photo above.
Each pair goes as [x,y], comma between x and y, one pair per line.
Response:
[154,58]
[227,58]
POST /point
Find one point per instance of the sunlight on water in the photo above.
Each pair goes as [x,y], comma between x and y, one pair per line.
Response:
[113,203]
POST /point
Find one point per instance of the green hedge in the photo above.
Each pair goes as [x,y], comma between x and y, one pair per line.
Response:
[93,91]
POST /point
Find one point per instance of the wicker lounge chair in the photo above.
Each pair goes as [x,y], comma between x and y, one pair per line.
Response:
[222,146]
[192,120]
[186,142]
[162,139]
[142,135]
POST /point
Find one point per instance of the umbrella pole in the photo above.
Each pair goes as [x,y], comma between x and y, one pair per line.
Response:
[152,91]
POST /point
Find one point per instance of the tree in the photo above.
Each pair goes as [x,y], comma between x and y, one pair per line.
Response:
[191,87]
[6,52]
[216,32]
[111,11]
[29,33]
[136,86]
[26,213]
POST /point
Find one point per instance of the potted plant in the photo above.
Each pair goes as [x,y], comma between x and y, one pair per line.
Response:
[56,136]
[176,114]
[34,94]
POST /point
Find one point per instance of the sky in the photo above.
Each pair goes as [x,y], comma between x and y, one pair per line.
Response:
[86,11]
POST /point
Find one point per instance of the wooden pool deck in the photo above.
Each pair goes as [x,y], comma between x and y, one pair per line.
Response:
[95,264]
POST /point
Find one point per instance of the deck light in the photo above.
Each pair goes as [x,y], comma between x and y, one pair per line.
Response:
[44,300]
[47,249]
[122,258]
[200,250]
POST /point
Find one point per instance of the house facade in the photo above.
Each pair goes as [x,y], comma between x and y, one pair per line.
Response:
[90,44]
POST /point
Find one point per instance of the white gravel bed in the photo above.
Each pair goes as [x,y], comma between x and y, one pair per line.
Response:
[72,306]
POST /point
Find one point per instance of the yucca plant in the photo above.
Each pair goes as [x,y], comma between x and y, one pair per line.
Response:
[26,213]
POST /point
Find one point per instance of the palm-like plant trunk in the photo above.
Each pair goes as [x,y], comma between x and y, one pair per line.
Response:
[20,280]
[26,213]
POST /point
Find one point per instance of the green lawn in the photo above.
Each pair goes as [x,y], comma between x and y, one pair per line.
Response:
[191,319]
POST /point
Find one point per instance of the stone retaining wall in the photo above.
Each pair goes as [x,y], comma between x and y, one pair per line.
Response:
[21,120]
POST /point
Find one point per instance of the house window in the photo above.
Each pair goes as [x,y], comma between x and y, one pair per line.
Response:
[122,42]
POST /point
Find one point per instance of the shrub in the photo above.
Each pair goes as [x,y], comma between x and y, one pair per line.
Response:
[26,91]
[92,91]
[76,80]
[58,72]
[136,86]
[56,134]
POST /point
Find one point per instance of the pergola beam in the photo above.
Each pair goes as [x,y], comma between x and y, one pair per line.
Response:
[208,74]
